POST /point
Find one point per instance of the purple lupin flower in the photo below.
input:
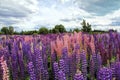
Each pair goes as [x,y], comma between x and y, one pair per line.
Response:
[104,74]
[117,70]
[61,75]
[53,57]
[99,61]
[31,71]
[38,63]
[84,64]
[77,59]
[62,65]
[92,68]
[45,75]
[64,53]
[14,65]
[95,64]
[78,76]
[65,58]
[44,53]
[1,70]
[112,66]
[30,56]
[56,69]
[21,65]
[70,63]
[73,63]
[77,47]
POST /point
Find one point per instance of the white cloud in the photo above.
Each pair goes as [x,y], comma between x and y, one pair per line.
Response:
[27,14]
[13,12]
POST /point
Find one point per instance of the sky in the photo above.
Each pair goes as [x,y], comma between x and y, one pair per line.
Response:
[33,14]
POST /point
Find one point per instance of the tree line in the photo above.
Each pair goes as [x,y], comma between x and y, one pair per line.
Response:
[86,27]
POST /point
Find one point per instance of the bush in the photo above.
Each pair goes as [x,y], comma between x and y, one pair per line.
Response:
[43,30]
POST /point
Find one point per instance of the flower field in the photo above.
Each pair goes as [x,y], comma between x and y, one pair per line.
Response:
[67,56]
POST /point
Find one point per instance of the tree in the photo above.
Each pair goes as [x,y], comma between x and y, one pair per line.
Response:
[55,30]
[76,29]
[5,30]
[16,33]
[22,32]
[60,28]
[0,32]
[43,30]
[86,27]
[70,31]
[50,31]
[11,30]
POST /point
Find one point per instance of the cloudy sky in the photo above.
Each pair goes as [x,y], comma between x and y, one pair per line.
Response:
[32,14]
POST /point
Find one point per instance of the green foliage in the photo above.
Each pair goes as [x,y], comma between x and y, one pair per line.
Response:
[16,33]
[43,30]
[98,32]
[50,31]
[55,30]
[0,32]
[28,32]
[70,31]
[5,30]
[76,30]
[35,33]
[59,29]
[86,27]
[22,33]
[11,30]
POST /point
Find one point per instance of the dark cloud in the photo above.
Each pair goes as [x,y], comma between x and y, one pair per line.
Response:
[100,7]
[14,10]
[116,23]
[116,19]
[9,21]
[67,20]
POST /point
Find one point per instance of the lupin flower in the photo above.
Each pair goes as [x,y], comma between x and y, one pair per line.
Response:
[84,64]
[61,75]
[39,64]
[78,76]
[105,74]
[65,60]
[53,57]
[92,68]
[4,68]
[45,75]
[117,70]
[31,71]
[21,64]
[99,61]
[62,65]
[14,65]
[112,66]
[56,69]
[64,53]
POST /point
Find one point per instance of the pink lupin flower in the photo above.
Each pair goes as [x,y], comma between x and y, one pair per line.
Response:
[92,45]
[4,68]
[59,46]
[52,46]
